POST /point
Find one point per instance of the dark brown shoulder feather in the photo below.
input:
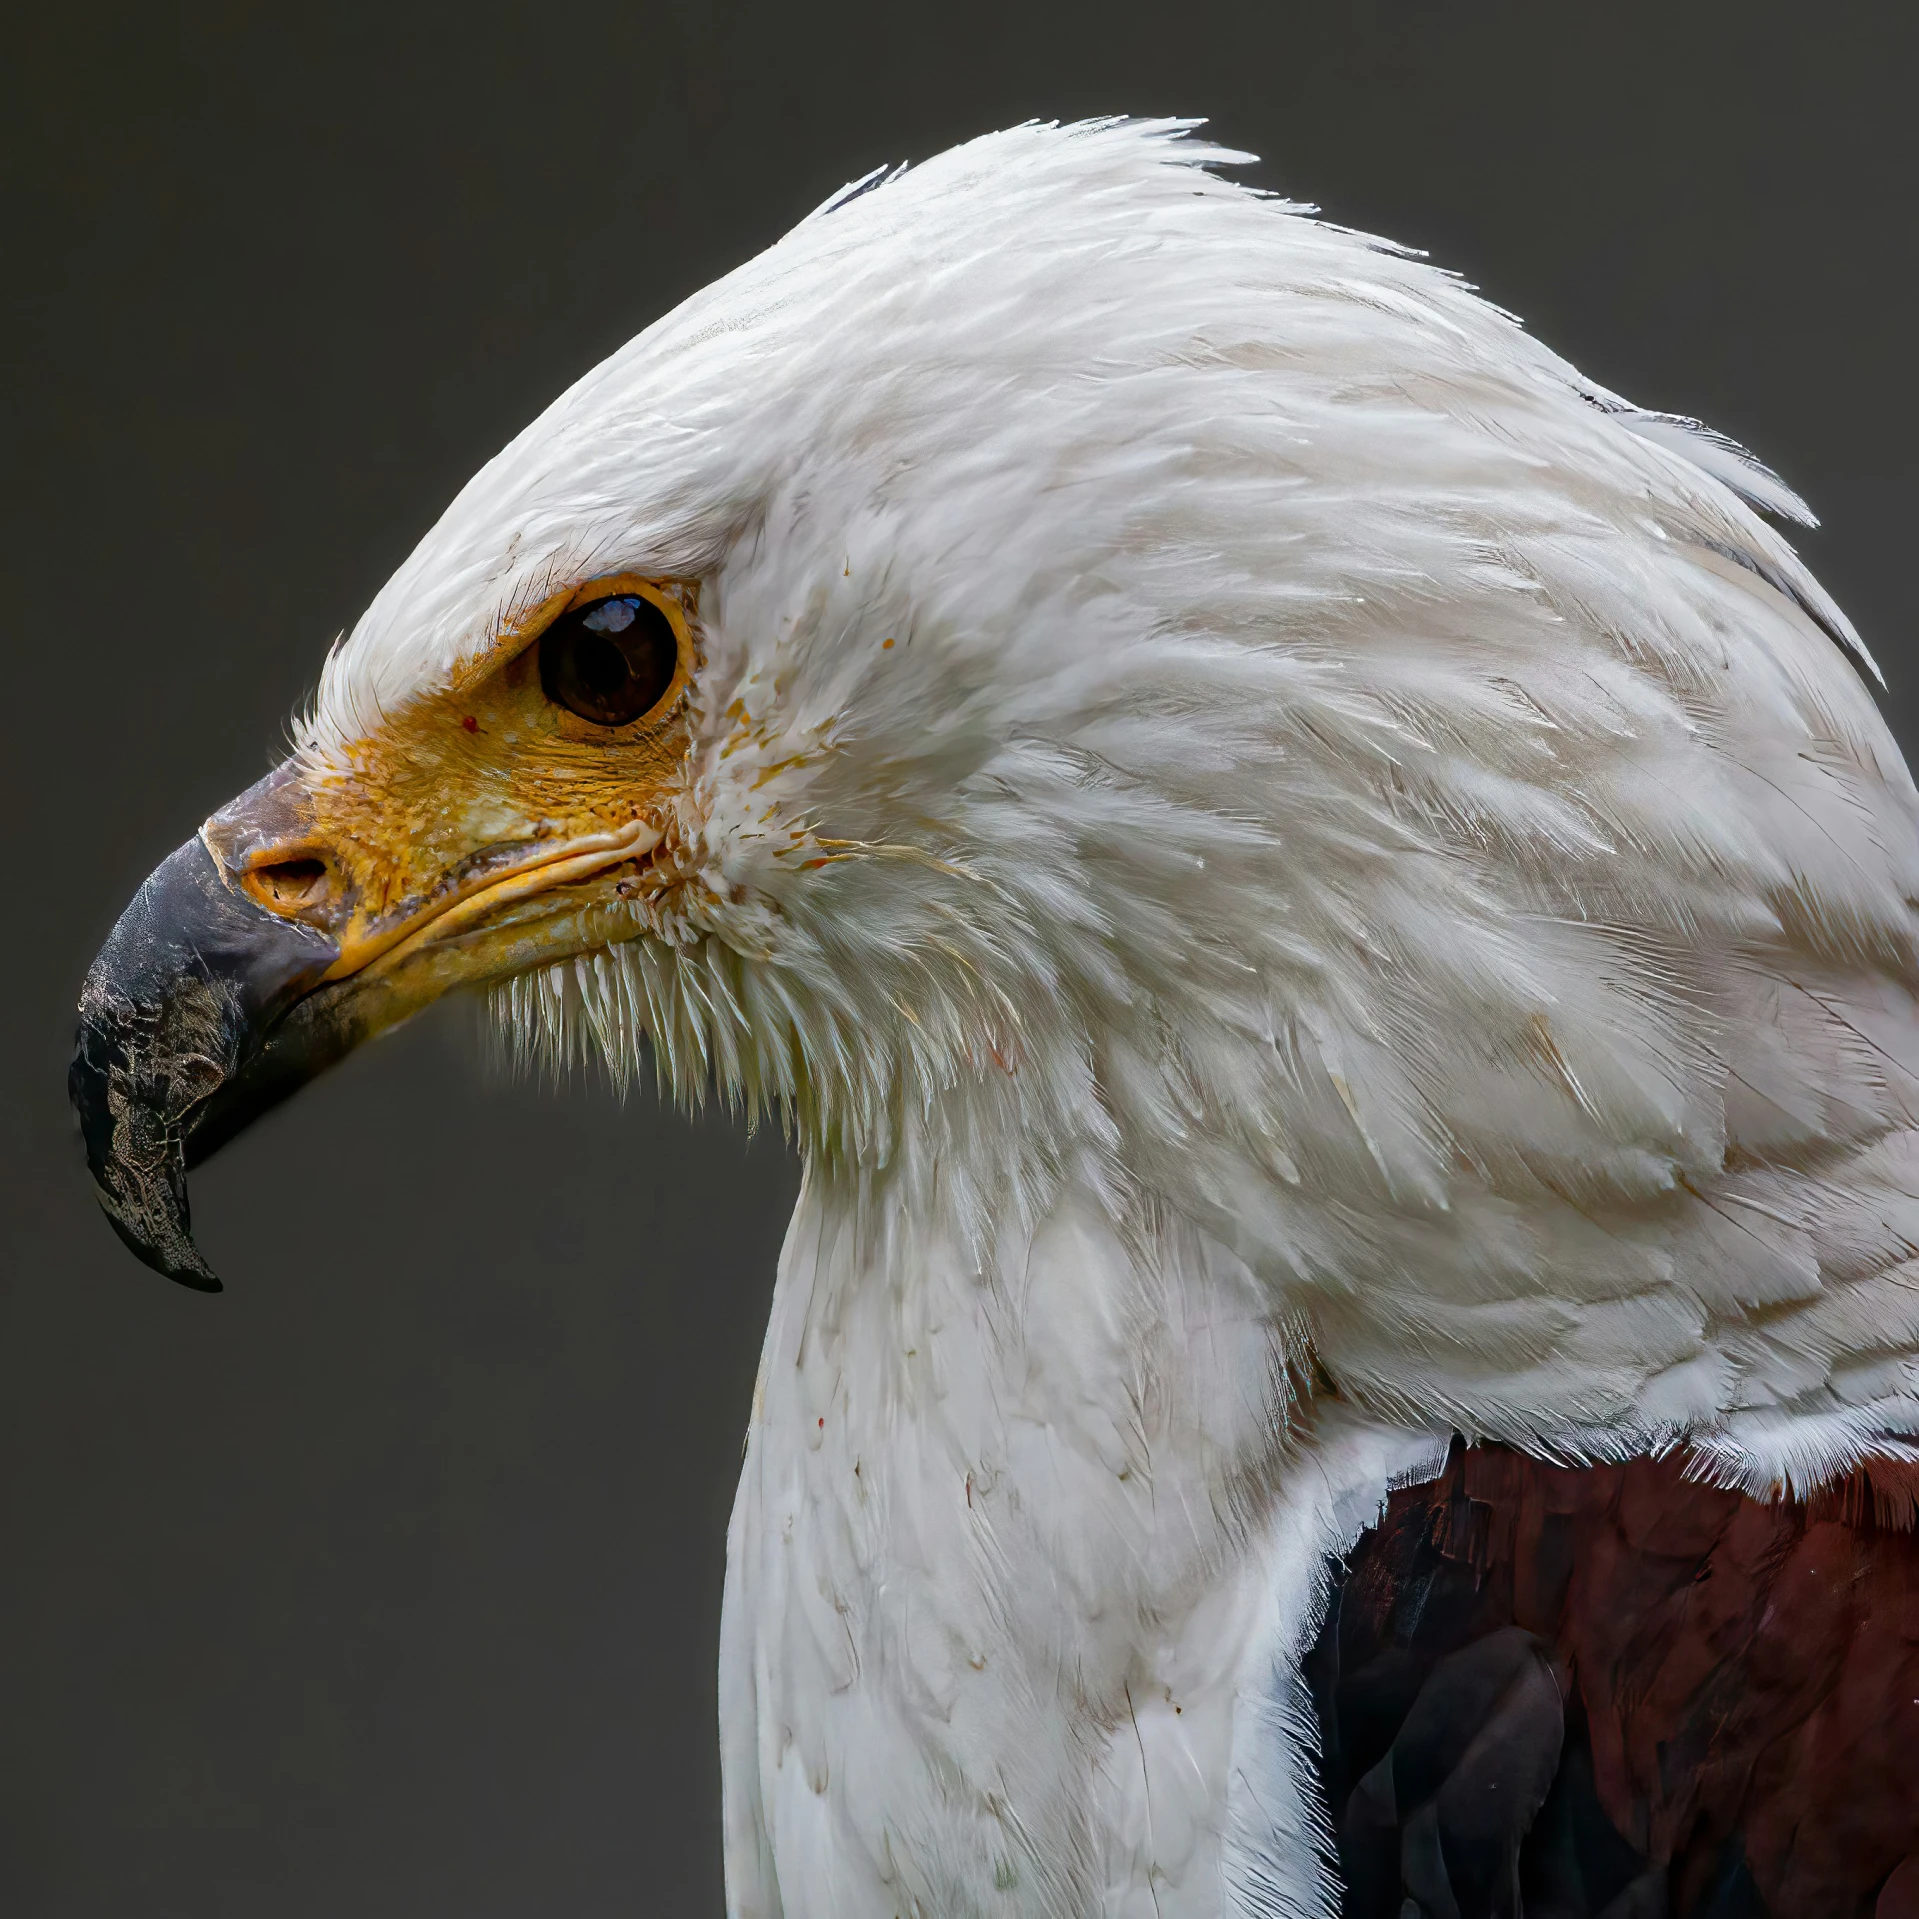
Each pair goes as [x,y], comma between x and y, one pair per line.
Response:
[1615,1693]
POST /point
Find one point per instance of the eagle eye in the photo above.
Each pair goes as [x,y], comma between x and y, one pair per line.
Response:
[611,660]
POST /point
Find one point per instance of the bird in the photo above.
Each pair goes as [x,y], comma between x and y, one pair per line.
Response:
[1331,914]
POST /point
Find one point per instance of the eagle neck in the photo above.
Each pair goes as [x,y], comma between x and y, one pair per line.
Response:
[1011,1571]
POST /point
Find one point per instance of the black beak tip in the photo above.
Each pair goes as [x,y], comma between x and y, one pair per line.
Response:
[141,1191]
[180,1261]
[174,1010]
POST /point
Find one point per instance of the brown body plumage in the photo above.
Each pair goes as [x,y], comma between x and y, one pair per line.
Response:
[1737,1682]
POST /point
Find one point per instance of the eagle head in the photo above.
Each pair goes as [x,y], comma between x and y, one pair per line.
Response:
[1066,670]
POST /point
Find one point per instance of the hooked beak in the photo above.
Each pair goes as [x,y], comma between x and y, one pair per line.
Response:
[173,1011]
[209,1003]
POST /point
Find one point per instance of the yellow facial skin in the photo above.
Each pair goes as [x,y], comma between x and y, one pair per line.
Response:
[466,804]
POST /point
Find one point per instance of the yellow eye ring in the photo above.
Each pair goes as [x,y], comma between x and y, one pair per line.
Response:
[615,652]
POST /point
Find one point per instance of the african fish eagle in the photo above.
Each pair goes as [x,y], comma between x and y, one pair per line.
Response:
[1333,917]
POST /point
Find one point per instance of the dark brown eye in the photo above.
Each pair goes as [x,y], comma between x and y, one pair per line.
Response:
[609,661]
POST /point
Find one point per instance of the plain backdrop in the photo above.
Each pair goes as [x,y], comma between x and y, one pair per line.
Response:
[386,1583]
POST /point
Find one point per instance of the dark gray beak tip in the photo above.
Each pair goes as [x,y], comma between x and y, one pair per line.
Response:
[175,1007]
[178,1261]
[134,1148]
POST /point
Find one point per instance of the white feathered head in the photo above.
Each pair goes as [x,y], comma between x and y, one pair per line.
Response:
[1067,667]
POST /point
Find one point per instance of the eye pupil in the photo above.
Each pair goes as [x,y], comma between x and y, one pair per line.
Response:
[601,666]
[611,661]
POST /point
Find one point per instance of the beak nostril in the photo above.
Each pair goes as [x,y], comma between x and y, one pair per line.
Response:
[290,884]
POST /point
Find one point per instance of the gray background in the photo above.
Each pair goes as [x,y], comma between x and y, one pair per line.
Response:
[387,1582]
